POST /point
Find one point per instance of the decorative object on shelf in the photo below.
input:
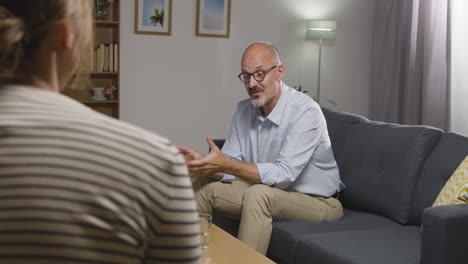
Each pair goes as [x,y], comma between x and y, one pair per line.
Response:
[97,94]
[153,17]
[213,18]
[110,10]
[101,9]
[320,29]
[299,89]
[109,92]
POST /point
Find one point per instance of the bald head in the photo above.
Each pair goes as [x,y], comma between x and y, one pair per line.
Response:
[265,50]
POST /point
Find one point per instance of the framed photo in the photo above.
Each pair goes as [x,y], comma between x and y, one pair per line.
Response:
[213,18]
[153,17]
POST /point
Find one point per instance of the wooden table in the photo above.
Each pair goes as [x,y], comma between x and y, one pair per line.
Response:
[226,249]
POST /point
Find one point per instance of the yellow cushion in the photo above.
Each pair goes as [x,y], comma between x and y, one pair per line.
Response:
[455,190]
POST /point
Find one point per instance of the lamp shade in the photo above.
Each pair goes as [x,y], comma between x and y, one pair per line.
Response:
[320,29]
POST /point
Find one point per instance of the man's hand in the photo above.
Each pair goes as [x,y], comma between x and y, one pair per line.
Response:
[209,165]
[215,164]
[190,155]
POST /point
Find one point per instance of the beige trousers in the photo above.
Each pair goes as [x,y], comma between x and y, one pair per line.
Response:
[257,205]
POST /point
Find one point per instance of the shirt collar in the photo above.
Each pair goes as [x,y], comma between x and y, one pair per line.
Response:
[277,113]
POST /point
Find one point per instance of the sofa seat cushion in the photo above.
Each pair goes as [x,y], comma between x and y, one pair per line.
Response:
[229,225]
[383,245]
[285,235]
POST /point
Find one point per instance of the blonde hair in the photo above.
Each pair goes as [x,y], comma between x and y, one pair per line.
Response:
[24,24]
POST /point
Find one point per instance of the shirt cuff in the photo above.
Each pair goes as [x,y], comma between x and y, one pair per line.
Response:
[228,178]
[266,172]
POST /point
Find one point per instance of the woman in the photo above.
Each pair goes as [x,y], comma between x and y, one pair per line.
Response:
[77,186]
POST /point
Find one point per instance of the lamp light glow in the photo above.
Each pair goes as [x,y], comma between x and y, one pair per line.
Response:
[320,29]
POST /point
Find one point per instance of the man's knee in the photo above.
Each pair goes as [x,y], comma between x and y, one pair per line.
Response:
[207,195]
[204,197]
[258,194]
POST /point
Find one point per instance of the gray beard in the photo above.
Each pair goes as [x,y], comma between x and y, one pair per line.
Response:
[259,102]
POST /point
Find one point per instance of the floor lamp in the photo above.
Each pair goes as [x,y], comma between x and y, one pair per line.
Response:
[320,29]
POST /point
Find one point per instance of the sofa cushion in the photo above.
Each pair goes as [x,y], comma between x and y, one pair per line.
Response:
[384,246]
[443,161]
[380,166]
[338,124]
[288,233]
[455,190]
[229,225]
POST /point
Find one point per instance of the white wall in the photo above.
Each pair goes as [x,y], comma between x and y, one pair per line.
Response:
[185,87]
[459,66]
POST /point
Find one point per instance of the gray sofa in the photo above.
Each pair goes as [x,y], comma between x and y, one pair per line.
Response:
[393,173]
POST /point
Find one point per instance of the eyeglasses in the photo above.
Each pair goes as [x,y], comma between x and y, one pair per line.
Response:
[258,75]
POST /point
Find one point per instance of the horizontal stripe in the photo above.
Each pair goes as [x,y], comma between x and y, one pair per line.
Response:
[76,191]
[103,215]
[5,245]
[65,203]
[172,260]
[171,254]
[65,172]
[174,241]
[179,247]
[18,170]
[69,235]
[36,258]
[76,156]
[30,223]
[108,143]
[67,253]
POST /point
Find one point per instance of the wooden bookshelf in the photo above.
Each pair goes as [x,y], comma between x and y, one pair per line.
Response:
[106,37]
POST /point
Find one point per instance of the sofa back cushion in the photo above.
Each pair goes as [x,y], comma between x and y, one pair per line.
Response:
[338,124]
[380,163]
[439,166]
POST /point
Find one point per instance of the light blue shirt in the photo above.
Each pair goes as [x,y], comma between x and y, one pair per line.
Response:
[290,147]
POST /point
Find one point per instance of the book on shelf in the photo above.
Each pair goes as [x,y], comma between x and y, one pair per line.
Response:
[111,57]
[90,62]
[101,58]
[104,58]
[116,57]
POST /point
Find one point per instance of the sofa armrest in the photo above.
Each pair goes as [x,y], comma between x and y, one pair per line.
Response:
[444,234]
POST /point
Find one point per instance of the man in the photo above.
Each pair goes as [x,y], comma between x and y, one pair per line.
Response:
[277,162]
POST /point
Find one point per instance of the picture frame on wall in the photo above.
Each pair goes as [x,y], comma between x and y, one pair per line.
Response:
[213,18]
[153,17]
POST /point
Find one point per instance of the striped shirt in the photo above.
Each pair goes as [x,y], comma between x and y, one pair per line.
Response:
[77,186]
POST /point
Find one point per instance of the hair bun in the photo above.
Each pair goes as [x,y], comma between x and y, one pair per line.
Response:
[11,29]
[11,34]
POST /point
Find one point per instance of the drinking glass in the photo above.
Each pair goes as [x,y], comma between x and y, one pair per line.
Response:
[205,223]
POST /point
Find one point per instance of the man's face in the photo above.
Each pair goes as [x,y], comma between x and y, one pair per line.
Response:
[258,59]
